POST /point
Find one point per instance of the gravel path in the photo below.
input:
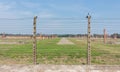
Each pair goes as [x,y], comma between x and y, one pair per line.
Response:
[12,42]
[64,41]
[58,68]
[8,43]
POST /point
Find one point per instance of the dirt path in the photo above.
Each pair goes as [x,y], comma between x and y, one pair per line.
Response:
[64,41]
[12,43]
[8,43]
[58,68]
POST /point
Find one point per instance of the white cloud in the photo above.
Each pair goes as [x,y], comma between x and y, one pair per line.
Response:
[10,10]
[30,4]
[45,15]
[5,10]
[4,7]
[73,7]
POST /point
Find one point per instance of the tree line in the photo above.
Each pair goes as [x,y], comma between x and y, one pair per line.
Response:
[66,35]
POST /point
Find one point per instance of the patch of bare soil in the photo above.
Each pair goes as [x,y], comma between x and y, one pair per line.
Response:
[64,41]
[58,68]
[20,42]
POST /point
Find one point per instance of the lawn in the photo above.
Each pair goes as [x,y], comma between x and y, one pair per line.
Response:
[48,52]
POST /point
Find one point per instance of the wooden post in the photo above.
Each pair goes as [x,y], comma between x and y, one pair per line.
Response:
[105,36]
[89,42]
[3,35]
[115,36]
[34,41]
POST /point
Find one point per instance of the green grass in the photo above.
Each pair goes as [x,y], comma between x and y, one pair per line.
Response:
[48,52]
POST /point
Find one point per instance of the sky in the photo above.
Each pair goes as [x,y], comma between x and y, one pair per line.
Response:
[59,16]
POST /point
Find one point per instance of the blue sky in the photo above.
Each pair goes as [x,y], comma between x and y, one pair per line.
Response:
[47,9]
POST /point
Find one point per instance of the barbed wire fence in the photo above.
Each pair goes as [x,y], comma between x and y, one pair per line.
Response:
[106,43]
[16,41]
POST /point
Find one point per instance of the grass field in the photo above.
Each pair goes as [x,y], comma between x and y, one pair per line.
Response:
[48,52]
